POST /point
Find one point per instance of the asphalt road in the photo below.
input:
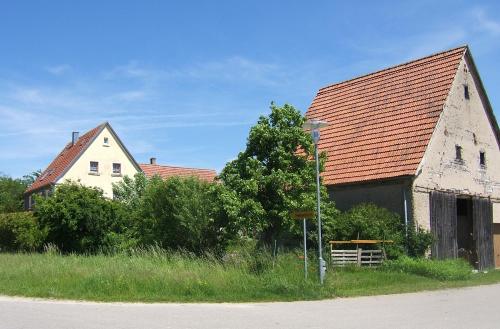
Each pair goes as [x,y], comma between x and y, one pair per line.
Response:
[476,307]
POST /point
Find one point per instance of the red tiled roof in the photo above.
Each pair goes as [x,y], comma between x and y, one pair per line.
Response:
[380,124]
[65,159]
[150,170]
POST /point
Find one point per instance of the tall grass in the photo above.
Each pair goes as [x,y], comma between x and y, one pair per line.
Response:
[453,269]
[157,275]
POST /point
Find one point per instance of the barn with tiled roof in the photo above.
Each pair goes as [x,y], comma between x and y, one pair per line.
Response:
[420,139]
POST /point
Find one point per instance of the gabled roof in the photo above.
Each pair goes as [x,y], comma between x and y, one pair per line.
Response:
[151,170]
[68,156]
[380,124]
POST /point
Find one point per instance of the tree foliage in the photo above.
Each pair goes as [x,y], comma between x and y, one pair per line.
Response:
[11,194]
[369,221]
[274,175]
[80,219]
[20,232]
[176,213]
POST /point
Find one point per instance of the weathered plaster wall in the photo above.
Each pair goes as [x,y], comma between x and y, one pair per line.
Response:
[463,122]
[106,155]
[388,194]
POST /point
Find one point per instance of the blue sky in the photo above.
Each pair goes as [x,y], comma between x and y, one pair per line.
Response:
[185,81]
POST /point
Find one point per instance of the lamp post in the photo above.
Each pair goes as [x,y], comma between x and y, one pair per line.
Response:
[314,125]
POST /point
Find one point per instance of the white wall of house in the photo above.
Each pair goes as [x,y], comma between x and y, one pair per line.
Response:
[105,155]
[463,122]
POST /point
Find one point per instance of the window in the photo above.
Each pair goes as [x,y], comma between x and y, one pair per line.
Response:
[458,153]
[94,167]
[106,141]
[482,159]
[117,168]
[466,92]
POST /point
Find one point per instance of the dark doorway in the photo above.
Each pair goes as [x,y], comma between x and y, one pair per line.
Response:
[465,231]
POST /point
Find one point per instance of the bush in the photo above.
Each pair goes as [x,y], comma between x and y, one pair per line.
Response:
[11,194]
[368,221]
[452,269]
[80,219]
[418,241]
[20,232]
[181,213]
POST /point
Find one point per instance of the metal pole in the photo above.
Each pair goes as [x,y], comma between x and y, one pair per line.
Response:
[318,196]
[305,250]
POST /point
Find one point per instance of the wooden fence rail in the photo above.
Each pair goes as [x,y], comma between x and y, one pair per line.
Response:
[357,257]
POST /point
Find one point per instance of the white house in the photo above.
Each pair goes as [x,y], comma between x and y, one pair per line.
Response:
[98,158]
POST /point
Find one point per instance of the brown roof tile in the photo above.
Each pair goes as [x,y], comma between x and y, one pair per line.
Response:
[169,171]
[380,124]
[65,159]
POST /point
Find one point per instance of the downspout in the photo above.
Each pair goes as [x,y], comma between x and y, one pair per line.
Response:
[405,205]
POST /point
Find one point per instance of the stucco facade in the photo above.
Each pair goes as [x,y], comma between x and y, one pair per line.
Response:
[105,154]
[463,123]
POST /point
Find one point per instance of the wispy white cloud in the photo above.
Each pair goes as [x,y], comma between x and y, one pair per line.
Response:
[58,69]
[485,23]
[233,68]
[129,96]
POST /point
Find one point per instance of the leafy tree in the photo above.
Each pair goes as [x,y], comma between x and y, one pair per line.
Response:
[30,178]
[11,194]
[20,232]
[129,191]
[272,176]
[80,219]
[176,213]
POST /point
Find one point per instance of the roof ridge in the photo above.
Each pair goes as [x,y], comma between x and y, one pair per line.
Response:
[180,167]
[89,137]
[395,67]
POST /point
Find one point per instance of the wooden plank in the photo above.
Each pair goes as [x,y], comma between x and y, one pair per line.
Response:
[360,241]
[443,213]
[371,241]
[482,214]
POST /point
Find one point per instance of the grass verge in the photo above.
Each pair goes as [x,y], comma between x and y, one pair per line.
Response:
[158,276]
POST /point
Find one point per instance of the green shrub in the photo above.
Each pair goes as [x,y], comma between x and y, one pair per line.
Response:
[20,232]
[80,219]
[418,241]
[368,221]
[452,269]
[11,194]
[181,213]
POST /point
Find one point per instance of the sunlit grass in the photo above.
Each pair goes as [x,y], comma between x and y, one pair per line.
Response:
[156,275]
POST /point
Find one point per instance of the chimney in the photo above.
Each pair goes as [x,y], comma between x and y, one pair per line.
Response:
[152,161]
[74,137]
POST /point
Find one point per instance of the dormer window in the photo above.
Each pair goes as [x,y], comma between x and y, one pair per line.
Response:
[466,92]
[482,159]
[458,153]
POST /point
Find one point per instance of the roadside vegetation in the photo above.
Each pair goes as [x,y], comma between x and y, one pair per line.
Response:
[182,239]
[156,275]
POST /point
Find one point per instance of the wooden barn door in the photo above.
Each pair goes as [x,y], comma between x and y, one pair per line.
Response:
[482,212]
[443,209]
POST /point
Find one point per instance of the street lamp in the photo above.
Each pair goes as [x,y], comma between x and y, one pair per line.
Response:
[314,125]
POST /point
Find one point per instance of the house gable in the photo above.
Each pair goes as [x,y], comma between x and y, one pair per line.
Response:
[105,154]
[467,124]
